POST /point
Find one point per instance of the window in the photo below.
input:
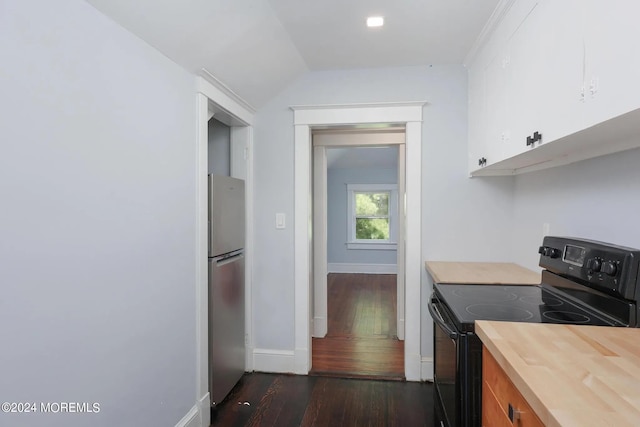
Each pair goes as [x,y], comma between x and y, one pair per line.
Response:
[372,215]
[372,210]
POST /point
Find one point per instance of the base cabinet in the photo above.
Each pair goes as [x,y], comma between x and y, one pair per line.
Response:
[502,404]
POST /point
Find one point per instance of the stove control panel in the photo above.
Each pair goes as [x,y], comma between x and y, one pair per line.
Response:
[609,268]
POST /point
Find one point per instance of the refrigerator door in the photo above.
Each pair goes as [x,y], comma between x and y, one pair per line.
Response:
[226,214]
[226,324]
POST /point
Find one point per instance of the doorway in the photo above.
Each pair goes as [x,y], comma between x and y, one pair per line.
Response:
[307,118]
[232,112]
[359,306]
[367,160]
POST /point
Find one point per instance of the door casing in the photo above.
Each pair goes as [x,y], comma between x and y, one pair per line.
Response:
[305,119]
[212,101]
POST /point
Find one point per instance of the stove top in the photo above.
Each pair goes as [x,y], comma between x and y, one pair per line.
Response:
[513,303]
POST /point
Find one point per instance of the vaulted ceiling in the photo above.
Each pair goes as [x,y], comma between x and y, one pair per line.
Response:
[257,47]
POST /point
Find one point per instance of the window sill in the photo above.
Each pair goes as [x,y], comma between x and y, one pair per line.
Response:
[385,246]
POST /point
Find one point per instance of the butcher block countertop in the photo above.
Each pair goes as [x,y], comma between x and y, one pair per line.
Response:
[572,376]
[484,273]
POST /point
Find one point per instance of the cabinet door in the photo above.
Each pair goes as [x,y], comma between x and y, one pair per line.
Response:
[505,89]
[492,413]
[499,394]
[562,76]
[524,77]
[612,58]
[496,106]
[477,122]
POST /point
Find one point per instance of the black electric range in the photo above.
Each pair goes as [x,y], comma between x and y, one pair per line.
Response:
[515,303]
[583,282]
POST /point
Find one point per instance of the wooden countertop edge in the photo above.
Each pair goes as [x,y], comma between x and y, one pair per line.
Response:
[504,273]
[432,273]
[490,339]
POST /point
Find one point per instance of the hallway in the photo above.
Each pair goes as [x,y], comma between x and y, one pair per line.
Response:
[361,341]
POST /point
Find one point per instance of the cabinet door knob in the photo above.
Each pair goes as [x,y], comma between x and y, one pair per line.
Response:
[514,414]
[537,136]
[529,141]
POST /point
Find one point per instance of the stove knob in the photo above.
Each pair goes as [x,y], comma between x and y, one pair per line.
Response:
[548,251]
[594,264]
[609,268]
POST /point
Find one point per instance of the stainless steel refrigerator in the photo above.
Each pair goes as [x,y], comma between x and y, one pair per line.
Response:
[226,285]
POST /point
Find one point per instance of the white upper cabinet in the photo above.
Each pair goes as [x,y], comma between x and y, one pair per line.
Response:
[525,69]
[493,96]
[612,65]
[559,85]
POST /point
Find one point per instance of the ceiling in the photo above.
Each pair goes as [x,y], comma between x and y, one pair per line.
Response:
[257,47]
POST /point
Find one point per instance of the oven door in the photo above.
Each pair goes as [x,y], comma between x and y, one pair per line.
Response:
[451,383]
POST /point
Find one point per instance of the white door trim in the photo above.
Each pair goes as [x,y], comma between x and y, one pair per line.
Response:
[320,263]
[202,327]
[307,117]
[401,252]
[213,101]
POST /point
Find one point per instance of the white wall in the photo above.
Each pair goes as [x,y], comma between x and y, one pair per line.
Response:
[596,199]
[337,215]
[219,148]
[97,183]
[462,218]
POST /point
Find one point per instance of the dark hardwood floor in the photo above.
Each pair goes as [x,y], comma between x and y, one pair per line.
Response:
[292,400]
[346,386]
[362,330]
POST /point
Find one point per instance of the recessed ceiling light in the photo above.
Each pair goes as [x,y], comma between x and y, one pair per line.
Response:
[375,21]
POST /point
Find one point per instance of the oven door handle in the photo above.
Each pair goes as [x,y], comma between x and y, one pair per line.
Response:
[437,317]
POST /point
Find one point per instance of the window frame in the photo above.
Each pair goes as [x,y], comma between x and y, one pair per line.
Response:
[376,244]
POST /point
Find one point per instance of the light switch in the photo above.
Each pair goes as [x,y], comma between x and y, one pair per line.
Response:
[280,221]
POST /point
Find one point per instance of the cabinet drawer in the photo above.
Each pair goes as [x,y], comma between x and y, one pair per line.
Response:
[496,385]
[492,413]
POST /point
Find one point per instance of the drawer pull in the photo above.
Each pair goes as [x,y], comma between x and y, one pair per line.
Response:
[514,414]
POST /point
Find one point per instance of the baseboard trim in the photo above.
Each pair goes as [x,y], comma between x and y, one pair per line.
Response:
[426,369]
[412,367]
[302,360]
[191,419]
[401,329]
[276,361]
[204,405]
[362,268]
[248,359]
[319,327]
